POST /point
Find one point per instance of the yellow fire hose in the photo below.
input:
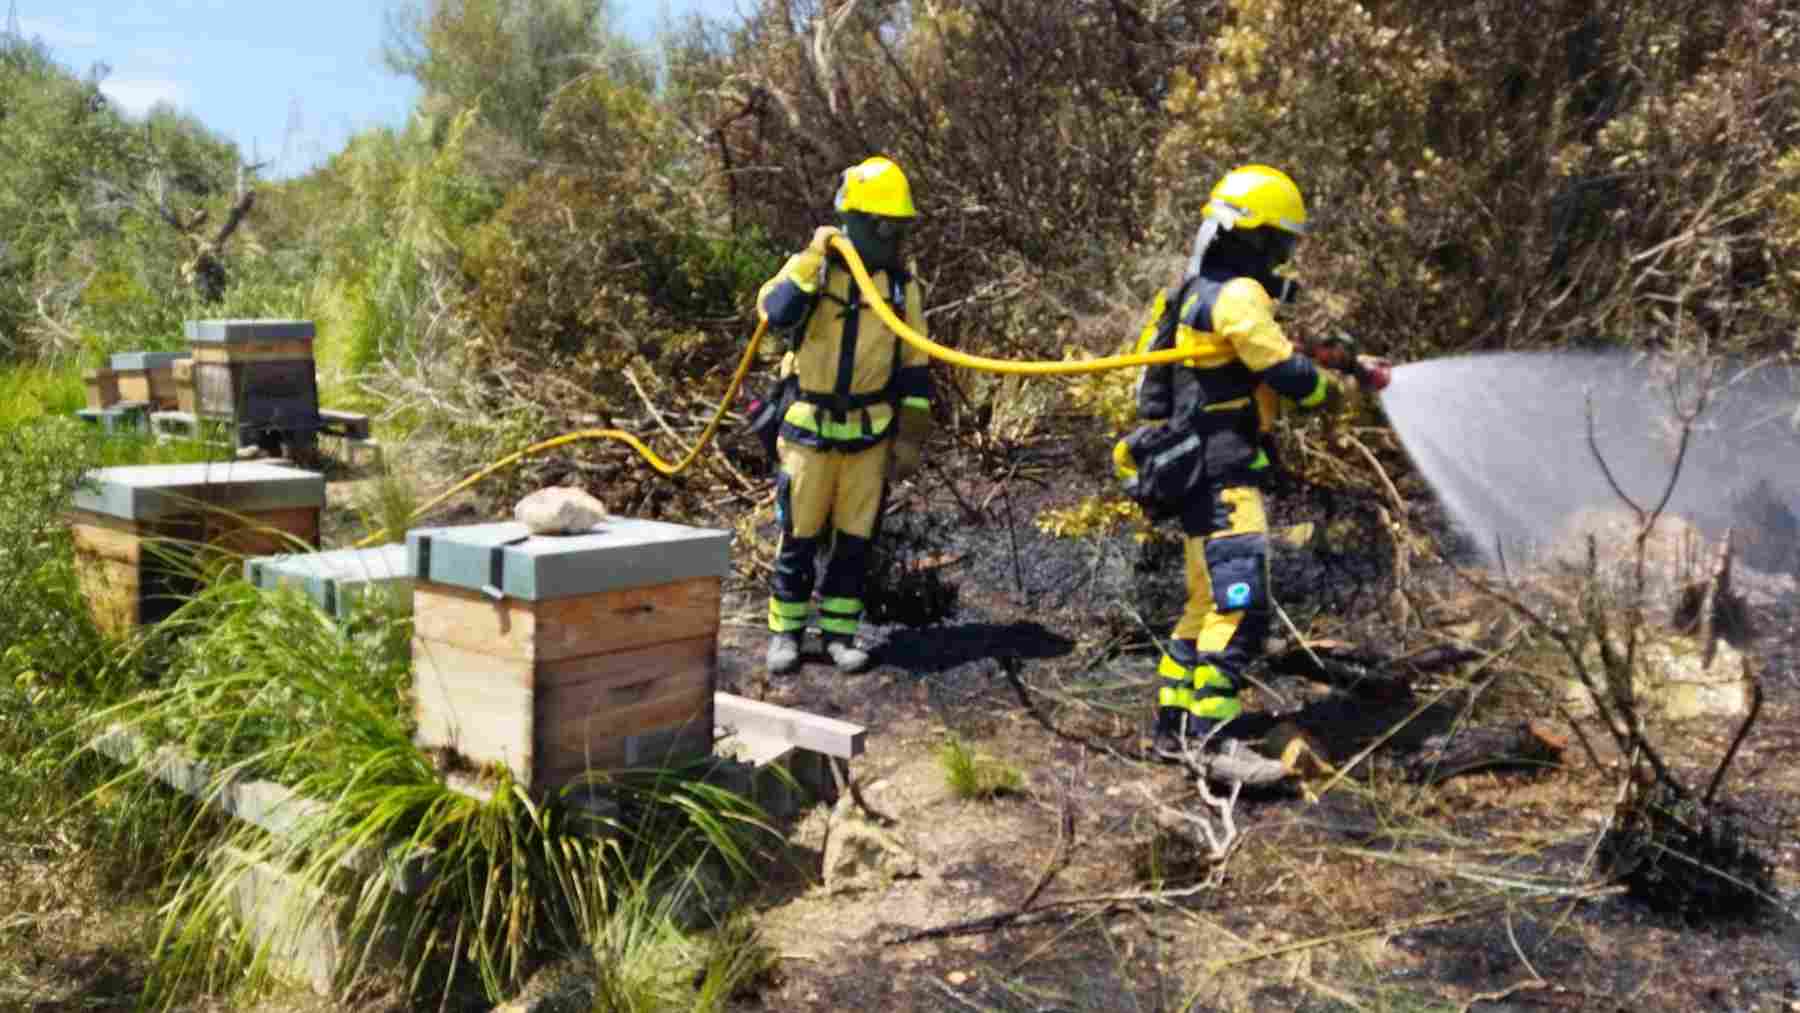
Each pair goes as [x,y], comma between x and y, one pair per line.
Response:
[866,286]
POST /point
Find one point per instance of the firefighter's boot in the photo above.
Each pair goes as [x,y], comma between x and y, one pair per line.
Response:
[784,652]
[846,655]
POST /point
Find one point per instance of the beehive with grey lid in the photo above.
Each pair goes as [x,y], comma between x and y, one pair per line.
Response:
[560,654]
[147,376]
[342,580]
[138,530]
[258,375]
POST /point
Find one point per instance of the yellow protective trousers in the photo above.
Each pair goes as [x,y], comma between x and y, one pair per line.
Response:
[817,487]
[1227,615]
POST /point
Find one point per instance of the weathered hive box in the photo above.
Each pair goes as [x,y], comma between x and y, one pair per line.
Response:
[256,374]
[184,385]
[102,387]
[139,532]
[556,655]
[147,376]
[341,580]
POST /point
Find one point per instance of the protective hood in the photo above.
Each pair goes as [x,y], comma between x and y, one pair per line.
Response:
[1228,253]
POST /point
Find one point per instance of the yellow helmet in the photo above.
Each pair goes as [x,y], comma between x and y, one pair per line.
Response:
[876,186]
[1258,196]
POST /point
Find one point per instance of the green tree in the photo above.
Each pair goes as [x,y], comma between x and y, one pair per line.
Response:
[508,57]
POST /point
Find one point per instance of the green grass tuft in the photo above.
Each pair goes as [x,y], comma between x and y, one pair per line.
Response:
[972,775]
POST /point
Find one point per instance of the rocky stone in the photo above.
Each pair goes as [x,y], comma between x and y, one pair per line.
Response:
[1671,682]
[862,856]
[559,510]
[567,986]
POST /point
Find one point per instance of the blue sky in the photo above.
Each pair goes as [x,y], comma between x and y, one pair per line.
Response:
[288,81]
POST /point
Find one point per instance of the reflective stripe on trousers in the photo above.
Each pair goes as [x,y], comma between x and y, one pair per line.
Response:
[1222,628]
[816,488]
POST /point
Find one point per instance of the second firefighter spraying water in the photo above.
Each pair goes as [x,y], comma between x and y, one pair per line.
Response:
[1203,457]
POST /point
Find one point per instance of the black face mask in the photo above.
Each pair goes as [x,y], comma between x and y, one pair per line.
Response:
[878,240]
[1254,253]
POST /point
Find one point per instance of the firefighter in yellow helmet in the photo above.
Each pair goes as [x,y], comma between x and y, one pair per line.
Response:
[861,416]
[1204,456]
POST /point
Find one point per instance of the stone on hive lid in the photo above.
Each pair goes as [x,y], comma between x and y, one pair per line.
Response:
[559,510]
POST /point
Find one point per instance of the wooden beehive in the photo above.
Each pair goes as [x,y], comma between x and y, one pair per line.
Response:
[184,385]
[256,375]
[102,388]
[142,532]
[557,655]
[147,376]
[340,581]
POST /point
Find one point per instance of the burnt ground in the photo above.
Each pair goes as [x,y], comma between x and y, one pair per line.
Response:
[1469,894]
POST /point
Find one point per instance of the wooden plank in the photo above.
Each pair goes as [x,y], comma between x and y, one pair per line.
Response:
[351,425]
[566,627]
[264,533]
[111,587]
[586,682]
[673,702]
[273,807]
[607,734]
[102,387]
[807,731]
[455,617]
[673,745]
[102,541]
[134,385]
[474,703]
[270,351]
[627,618]
[298,927]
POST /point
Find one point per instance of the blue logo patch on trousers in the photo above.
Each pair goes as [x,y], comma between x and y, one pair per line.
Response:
[1237,595]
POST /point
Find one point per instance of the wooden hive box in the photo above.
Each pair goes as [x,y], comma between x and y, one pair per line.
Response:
[147,376]
[258,375]
[340,581]
[141,531]
[102,387]
[556,655]
[184,385]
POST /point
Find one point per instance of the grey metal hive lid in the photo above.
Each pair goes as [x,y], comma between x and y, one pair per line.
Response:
[344,566]
[243,332]
[620,553]
[145,491]
[146,360]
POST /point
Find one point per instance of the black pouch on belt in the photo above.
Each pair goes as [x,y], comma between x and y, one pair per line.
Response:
[764,414]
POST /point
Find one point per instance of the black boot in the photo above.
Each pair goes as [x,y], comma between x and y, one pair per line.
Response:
[1179,732]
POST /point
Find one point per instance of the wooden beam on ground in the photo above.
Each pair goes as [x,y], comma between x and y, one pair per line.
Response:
[274,807]
[798,728]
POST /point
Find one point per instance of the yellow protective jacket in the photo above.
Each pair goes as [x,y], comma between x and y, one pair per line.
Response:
[853,372]
[1229,391]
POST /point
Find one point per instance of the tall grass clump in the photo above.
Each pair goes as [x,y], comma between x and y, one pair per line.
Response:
[465,889]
